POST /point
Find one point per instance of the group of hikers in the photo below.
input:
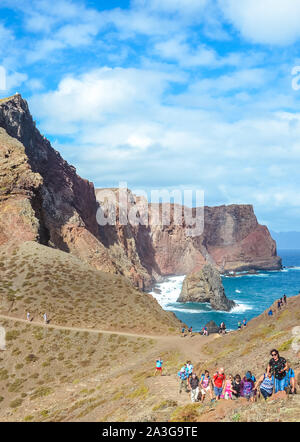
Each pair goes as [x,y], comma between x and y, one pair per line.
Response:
[279,376]
[281,302]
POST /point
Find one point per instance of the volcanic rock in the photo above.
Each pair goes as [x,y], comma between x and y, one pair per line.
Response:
[205,286]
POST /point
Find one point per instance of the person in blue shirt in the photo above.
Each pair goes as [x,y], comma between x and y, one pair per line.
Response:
[290,387]
[270,312]
[245,322]
[182,374]
[159,364]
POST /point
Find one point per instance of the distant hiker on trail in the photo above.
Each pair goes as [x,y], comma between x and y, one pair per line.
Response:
[222,329]
[278,304]
[183,332]
[183,380]
[219,379]
[266,385]
[205,331]
[28,316]
[270,312]
[245,322]
[227,393]
[239,325]
[247,387]
[236,387]
[45,318]
[284,298]
[191,331]
[206,385]
[290,387]
[194,385]
[158,368]
[278,367]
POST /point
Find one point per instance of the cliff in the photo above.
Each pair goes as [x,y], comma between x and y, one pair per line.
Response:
[43,199]
[205,286]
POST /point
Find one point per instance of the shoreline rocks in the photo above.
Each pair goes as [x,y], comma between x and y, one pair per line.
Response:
[205,286]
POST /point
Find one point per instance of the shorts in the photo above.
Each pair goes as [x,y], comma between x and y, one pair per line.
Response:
[218,391]
[248,396]
[159,368]
[279,384]
[205,390]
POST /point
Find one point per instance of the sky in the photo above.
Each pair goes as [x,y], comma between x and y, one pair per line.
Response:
[166,94]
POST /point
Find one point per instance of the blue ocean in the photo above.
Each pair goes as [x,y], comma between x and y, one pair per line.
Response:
[252,293]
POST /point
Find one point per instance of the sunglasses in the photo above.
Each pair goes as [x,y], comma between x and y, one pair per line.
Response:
[274,354]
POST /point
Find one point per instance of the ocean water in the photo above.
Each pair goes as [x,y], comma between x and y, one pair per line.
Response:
[252,293]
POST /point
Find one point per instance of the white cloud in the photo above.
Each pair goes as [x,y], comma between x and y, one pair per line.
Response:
[274,22]
[124,130]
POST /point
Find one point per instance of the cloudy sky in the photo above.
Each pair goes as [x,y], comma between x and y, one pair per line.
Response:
[185,94]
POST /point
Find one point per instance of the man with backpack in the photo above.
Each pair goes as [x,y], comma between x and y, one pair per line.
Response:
[218,382]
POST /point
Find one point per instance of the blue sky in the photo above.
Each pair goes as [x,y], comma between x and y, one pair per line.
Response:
[188,94]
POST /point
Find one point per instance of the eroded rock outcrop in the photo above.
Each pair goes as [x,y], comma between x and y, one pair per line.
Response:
[205,286]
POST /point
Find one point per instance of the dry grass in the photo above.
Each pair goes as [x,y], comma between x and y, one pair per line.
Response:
[38,279]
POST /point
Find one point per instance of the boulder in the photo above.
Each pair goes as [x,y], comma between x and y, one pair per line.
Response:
[212,327]
[205,286]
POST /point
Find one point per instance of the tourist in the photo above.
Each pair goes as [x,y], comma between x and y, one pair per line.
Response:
[236,387]
[266,385]
[245,322]
[222,329]
[284,298]
[194,386]
[278,304]
[45,318]
[227,394]
[278,367]
[28,316]
[290,387]
[247,387]
[183,380]
[183,332]
[191,331]
[159,364]
[270,312]
[218,382]
[205,385]
[239,325]
[189,368]
[205,331]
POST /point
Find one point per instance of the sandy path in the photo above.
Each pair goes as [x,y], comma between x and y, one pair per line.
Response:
[189,346]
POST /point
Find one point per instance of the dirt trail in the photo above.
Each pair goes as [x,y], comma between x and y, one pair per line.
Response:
[190,346]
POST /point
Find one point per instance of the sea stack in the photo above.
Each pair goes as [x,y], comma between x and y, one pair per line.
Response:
[206,286]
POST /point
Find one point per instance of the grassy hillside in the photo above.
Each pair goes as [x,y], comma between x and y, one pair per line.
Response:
[38,279]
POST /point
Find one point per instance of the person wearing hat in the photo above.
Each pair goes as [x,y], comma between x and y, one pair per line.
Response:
[247,387]
[182,374]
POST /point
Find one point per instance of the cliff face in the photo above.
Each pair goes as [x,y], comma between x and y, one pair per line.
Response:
[205,286]
[43,199]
